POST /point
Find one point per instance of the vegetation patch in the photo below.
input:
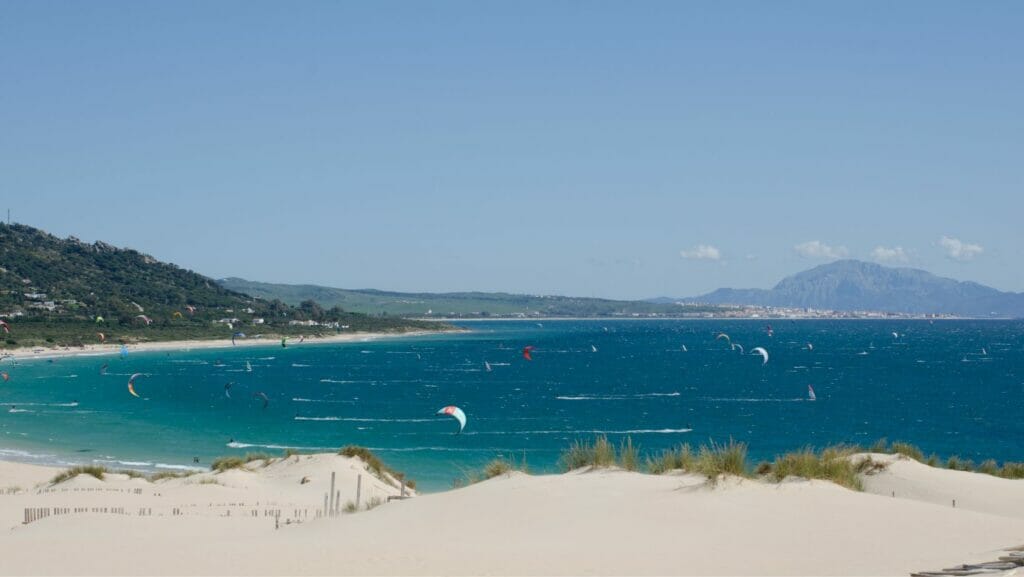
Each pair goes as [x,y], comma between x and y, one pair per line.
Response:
[161,475]
[93,470]
[222,464]
[597,453]
[375,465]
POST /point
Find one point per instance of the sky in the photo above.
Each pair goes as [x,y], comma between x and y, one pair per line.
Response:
[622,150]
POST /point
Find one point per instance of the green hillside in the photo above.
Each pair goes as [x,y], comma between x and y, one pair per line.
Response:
[465,305]
[62,292]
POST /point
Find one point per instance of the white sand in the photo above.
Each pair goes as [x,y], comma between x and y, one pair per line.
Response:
[602,522]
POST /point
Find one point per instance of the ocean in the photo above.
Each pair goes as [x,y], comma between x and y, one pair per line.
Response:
[952,387]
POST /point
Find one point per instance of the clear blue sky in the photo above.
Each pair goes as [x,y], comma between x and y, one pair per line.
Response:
[584,148]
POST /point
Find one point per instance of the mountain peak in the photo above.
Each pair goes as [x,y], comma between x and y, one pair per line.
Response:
[848,285]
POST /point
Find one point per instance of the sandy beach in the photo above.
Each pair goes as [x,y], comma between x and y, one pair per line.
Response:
[264,520]
[110,349]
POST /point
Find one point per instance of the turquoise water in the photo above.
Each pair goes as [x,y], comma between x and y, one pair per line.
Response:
[952,387]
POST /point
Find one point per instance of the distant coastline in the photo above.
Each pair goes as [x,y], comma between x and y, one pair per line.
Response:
[29,353]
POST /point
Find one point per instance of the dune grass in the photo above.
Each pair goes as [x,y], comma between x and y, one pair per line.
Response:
[131,473]
[375,465]
[678,458]
[597,453]
[629,454]
[161,475]
[93,470]
[222,464]
[833,464]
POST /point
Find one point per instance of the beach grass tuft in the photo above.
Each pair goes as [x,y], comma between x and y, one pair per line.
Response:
[1012,471]
[131,473]
[597,453]
[907,450]
[93,470]
[830,464]
[375,465]
[629,454]
[373,503]
[714,459]
[161,475]
[679,458]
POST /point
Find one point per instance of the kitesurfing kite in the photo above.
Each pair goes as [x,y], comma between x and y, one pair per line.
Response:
[236,335]
[5,376]
[455,413]
[762,352]
[682,348]
[810,347]
[177,314]
[227,388]
[810,394]
[191,309]
[738,346]
[593,349]
[131,384]
[248,367]
[99,319]
[103,337]
[145,319]
[6,327]
[527,350]
[724,336]
[487,366]
[266,399]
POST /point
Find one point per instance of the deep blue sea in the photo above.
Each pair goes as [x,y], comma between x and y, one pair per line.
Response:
[951,387]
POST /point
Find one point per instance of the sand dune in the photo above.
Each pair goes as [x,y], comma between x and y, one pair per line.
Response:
[600,522]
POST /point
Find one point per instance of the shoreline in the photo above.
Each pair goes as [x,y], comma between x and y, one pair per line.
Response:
[30,353]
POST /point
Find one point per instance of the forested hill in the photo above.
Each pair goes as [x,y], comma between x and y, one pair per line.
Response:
[64,291]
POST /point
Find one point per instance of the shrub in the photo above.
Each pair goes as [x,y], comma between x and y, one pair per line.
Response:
[94,470]
[374,502]
[350,507]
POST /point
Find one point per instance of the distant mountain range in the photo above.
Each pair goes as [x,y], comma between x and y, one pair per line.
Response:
[851,285]
[459,304]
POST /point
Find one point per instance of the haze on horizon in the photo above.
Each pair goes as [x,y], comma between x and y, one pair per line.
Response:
[588,149]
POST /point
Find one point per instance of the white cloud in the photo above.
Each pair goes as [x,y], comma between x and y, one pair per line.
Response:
[702,252]
[886,254]
[818,249]
[956,249]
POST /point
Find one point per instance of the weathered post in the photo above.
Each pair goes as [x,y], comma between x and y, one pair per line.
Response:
[359,489]
[332,494]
